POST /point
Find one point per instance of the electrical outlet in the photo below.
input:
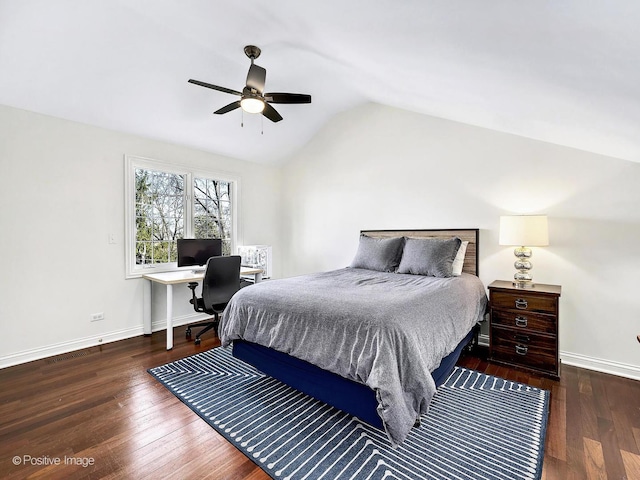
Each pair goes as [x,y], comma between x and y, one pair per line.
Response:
[112,238]
[94,317]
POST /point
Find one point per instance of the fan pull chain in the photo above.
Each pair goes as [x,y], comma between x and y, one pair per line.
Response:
[261,124]
[242,118]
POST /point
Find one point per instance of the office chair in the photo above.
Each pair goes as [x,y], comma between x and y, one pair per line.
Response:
[221,281]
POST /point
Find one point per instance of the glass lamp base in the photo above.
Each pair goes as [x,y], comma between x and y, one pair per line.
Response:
[522,277]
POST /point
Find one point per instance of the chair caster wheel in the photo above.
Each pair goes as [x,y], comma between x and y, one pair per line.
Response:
[197,341]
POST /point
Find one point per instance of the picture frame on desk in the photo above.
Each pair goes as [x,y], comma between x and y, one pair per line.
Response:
[257,256]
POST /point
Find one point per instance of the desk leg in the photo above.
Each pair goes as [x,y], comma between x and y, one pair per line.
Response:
[169,317]
[257,278]
[146,307]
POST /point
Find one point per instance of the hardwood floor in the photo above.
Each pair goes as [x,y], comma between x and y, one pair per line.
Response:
[100,406]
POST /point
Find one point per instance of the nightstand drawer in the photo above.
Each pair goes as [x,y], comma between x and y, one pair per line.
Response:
[525,320]
[531,350]
[524,301]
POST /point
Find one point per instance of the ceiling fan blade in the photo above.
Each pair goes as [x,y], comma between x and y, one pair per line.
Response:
[256,77]
[215,87]
[228,108]
[287,98]
[271,113]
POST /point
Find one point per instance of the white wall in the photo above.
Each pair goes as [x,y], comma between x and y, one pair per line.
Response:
[62,195]
[376,167]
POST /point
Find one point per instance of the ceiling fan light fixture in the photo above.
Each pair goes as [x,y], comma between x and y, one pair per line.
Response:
[252,98]
[252,104]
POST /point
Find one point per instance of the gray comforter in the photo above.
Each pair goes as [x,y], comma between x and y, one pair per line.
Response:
[386,330]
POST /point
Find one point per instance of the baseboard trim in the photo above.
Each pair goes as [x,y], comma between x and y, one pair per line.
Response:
[574,359]
[590,363]
[601,365]
[65,347]
[179,321]
[92,341]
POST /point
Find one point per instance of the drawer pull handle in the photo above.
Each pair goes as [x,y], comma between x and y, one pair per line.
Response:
[522,338]
[521,304]
[521,349]
[521,321]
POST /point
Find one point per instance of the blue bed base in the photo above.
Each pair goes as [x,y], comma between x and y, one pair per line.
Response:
[352,397]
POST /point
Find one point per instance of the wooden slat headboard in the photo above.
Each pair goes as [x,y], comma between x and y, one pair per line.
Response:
[470,235]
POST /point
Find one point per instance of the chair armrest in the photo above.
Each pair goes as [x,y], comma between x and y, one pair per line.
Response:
[194,300]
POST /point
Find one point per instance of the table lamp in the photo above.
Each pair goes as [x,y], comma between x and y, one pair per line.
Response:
[523,231]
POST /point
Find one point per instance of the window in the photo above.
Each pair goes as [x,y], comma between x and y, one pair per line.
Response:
[165,202]
[212,210]
[159,204]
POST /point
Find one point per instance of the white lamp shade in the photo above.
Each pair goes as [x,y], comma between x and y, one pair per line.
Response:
[252,105]
[524,230]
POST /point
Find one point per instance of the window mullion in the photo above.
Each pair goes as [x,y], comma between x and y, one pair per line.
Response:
[188,204]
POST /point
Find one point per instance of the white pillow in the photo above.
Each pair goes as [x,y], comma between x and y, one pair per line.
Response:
[458,262]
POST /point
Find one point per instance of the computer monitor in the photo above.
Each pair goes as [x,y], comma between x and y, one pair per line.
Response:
[196,251]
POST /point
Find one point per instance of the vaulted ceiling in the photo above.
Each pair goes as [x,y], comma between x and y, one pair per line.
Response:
[560,71]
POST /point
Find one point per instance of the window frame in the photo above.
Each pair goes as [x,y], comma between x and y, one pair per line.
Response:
[132,162]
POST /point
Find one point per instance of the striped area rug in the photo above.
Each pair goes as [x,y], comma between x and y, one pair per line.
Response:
[478,426]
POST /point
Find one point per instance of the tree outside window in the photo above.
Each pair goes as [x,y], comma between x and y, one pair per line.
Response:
[212,211]
[159,215]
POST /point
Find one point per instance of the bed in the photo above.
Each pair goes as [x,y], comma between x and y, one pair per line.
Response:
[373,339]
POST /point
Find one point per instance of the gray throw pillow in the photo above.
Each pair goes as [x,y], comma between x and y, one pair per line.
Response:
[380,254]
[432,257]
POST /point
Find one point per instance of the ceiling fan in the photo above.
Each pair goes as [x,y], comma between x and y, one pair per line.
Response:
[252,98]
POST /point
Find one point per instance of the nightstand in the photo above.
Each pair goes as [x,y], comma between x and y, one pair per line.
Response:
[523,328]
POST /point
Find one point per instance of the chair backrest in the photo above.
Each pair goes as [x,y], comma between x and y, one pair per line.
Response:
[221,280]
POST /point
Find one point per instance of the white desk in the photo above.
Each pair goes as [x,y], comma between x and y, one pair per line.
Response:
[170,279]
